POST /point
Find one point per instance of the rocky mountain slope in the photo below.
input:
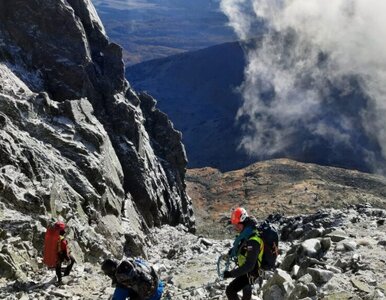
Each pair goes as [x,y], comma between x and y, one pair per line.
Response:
[333,254]
[77,143]
[278,186]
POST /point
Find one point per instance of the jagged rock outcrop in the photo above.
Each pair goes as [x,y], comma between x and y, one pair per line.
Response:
[74,141]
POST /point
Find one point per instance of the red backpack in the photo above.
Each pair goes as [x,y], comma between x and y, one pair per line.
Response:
[50,254]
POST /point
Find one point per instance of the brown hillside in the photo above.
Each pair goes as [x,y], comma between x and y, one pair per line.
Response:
[278,186]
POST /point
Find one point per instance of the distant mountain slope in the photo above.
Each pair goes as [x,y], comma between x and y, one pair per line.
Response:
[198,92]
[150,29]
[279,186]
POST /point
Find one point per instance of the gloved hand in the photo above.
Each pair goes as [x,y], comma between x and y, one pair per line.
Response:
[227,274]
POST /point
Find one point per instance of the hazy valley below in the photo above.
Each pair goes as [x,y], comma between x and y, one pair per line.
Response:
[158,28]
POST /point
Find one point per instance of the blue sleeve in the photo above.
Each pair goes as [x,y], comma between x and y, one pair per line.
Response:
[121,293]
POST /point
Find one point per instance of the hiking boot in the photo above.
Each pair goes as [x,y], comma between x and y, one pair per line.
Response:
[59,283]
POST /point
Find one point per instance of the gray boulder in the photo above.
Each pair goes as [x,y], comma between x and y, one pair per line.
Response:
[320,276]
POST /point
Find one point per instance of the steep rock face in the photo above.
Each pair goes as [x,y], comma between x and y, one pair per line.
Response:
[73,141]
[166,144]
[56,161]
[67,47]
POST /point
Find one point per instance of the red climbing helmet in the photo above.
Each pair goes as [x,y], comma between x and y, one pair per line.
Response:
[238,215]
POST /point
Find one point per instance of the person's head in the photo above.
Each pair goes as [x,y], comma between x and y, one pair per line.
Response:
[109,266]
[59,225]
[238,216]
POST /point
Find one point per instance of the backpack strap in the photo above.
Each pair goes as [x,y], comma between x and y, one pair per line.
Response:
[241,237]
[256,237]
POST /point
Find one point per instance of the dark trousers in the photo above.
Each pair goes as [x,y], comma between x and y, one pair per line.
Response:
[238,284]
[68,269]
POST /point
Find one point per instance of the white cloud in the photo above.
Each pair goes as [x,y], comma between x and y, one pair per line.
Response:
[349,32]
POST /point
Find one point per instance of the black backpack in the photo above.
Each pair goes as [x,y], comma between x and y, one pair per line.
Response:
[137,275]
[270,237]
